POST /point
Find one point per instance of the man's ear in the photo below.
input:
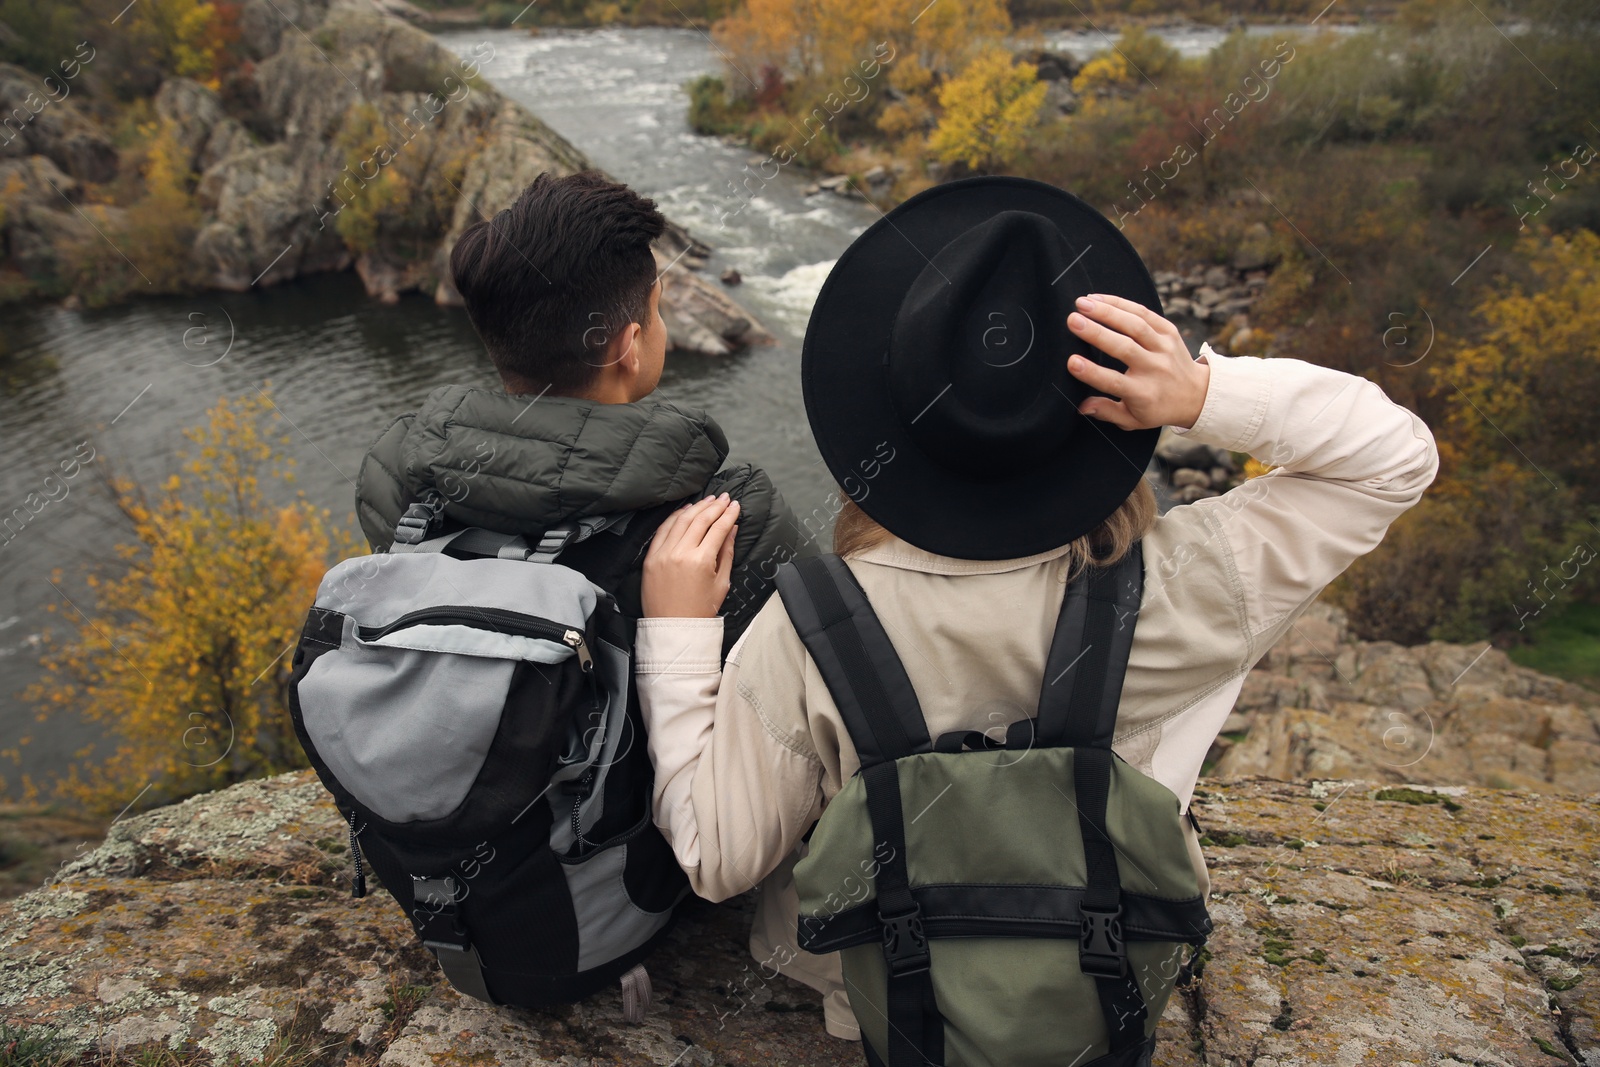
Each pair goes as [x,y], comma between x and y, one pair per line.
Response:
[626,356]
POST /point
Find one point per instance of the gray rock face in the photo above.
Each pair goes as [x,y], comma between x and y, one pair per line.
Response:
[1321,703]
[37,123]
[39,220]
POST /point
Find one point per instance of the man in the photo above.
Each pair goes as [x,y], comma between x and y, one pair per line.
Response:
[562,289]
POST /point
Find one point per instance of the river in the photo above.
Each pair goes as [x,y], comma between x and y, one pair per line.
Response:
[126,381]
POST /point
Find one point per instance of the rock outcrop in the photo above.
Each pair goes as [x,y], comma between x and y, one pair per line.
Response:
[1354,926]
[338,93]
[1322,704]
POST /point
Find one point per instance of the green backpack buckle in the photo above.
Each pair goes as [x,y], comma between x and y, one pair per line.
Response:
[1101,950]
[905,946]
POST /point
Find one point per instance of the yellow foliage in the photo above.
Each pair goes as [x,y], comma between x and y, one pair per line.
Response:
[183,658]
[180,35]
[157,230]
[988,111]
[399,193]
[1532,383]
[1106,71]
[827,38]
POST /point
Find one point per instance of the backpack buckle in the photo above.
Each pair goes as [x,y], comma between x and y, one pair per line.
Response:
[1101,951]
[905,946]
[420,518]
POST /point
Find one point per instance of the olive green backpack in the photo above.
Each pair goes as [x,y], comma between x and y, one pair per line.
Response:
[997,903]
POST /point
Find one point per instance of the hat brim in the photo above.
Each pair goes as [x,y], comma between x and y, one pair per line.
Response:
[863,440]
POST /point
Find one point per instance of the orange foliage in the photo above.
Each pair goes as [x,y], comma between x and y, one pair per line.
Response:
[818,38]
[183,658]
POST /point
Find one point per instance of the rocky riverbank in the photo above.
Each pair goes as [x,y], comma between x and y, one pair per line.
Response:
[337,97]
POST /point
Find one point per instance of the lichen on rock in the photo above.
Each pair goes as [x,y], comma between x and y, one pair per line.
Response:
[1357,923]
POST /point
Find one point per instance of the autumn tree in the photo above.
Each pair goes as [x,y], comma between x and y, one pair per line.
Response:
[1506,531]
[988,111]
[825,38]
[179,36]
[182,658]
[395,193]
[1531,383]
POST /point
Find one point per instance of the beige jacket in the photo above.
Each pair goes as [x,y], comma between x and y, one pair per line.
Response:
[747,755]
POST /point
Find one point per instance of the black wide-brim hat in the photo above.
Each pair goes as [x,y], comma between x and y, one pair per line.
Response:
[935,370]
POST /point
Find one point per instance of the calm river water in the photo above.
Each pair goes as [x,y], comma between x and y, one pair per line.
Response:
[125,383]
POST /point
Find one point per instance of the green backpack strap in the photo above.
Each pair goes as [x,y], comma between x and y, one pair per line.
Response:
[1089,654]
[858,662]
[881,713]
[1078,708]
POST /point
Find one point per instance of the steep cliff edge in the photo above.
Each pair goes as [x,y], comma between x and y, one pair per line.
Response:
[352,139]
[1431,927]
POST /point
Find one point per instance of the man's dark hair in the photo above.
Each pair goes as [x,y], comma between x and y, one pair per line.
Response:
[549,280]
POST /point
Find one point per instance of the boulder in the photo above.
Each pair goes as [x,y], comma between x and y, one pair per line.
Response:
[1218,277]
[192,112]
[37,124]
[1255,251]
[879,179]
[1177,451]
[1190,493]
[1325,703]
[40,223]
[1060,98]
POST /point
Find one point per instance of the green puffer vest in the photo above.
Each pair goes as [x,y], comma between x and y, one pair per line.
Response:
[515,465]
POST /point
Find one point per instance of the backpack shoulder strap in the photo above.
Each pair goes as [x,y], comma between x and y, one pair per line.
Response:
[1089,654]
[858,662]
[847,641]
[1078,708]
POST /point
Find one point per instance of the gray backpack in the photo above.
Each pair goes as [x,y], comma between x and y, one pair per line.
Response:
[1015,901]
[468,702]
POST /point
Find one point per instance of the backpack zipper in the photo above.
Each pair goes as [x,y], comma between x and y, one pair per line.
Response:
[585,786]
[575,639]
[358,881]
[512,622]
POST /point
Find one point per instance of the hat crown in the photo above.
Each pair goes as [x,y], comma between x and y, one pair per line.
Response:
[977,358]
[939,395]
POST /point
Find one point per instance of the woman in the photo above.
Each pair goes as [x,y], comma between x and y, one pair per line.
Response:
[747,755]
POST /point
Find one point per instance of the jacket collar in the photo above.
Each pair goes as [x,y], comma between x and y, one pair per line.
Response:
[893,552]
[535,460]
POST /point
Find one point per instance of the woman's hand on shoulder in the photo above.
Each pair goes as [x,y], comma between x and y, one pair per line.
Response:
[688,567]
[1163,385]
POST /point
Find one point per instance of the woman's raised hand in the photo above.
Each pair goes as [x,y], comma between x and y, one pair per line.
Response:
[687,570]
[1163,385]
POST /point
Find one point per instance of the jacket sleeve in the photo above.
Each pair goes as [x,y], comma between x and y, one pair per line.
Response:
[1227,576]
[767,538]
[734,790]
[380,488]
[1347,462]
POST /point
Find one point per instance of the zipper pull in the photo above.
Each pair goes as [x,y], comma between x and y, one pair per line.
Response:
[358,881]
[586,662]
[585,786]
[575,639]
